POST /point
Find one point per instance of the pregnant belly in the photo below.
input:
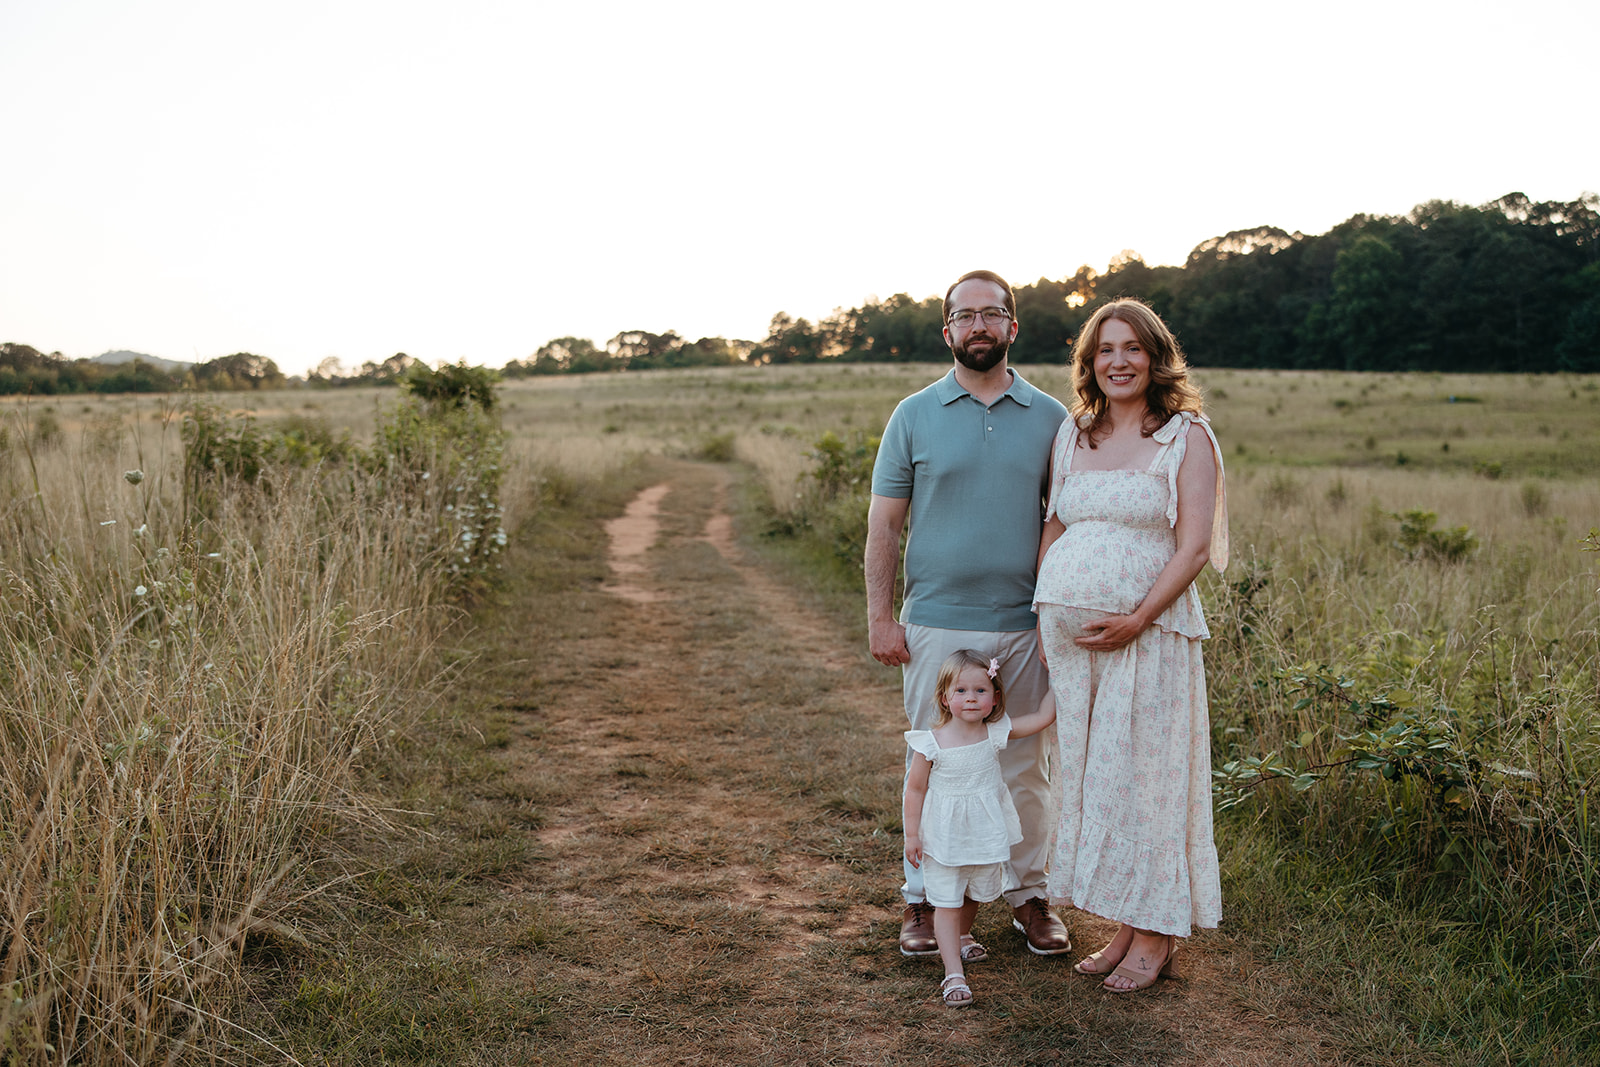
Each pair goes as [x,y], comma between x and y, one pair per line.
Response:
[1070,617]
[1105,577]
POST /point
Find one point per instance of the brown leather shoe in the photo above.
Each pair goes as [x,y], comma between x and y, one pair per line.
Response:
[916,931]
[1046,934]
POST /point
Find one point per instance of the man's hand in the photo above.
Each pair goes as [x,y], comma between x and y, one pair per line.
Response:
[887,640]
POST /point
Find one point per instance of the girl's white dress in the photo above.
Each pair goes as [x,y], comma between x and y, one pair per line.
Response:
[967,816]
[1133,841]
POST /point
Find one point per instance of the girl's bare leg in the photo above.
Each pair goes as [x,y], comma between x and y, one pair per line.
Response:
[949,926]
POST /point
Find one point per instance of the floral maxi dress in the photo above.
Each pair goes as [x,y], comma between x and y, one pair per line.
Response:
[1133,840]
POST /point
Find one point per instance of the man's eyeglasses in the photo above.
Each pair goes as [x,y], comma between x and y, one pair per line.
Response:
[991,317]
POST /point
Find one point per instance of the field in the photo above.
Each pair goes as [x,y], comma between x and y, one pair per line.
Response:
[1410,587]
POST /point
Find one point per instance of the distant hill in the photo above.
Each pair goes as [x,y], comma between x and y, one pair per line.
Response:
[124,356]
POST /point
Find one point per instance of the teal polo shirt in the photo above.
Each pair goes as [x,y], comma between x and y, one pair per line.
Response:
[976,478]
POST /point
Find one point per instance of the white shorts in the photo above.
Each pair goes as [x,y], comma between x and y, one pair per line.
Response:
[945,887]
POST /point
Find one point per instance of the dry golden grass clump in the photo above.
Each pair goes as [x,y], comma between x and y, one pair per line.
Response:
[186,681]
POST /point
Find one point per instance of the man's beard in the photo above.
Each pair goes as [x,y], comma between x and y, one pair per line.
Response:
[985,361]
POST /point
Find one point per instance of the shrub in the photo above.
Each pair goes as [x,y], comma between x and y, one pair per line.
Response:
[716,448]
[831,506]
[1446,799]
[47,428]
[451,387]
[1419,538]
[1535,499]
[842,466]
[442,464]
[217,449]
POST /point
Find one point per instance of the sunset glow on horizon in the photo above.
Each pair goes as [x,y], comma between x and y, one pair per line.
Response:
[350,180]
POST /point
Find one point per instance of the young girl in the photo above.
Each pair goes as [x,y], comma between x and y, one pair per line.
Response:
[960,823]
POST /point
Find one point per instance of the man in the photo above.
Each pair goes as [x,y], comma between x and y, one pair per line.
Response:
[967,461]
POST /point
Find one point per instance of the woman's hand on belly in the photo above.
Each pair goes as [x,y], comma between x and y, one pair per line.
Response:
[1110,633]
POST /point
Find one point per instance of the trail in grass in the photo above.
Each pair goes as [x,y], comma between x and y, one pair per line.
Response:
[716,773]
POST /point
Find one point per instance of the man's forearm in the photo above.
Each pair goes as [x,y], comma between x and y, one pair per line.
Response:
[882,564]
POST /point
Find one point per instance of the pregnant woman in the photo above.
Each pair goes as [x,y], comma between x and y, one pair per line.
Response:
[1136,509]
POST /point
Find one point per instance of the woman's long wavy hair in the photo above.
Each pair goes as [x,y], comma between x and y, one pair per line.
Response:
[1170,390]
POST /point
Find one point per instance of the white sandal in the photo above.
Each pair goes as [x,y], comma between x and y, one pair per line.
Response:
[971,951]
[952,987]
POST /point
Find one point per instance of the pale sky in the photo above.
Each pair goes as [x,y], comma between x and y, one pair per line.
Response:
[470,180]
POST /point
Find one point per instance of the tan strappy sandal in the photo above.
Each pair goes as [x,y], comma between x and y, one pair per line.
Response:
[1140,980]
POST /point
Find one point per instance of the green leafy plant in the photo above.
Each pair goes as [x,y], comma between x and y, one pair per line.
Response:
[1398,738]
[442,464]
[842,466]
[1419,537]
[835,494]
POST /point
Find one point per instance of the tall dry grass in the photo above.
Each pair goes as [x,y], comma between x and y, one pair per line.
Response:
[183,699]
[1412,739]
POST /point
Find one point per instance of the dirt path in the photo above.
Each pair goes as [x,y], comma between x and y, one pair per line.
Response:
[715,772]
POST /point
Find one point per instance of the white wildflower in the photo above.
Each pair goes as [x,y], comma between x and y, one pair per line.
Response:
[139,590]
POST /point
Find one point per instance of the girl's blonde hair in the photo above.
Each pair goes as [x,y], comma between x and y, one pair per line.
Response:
[954,664]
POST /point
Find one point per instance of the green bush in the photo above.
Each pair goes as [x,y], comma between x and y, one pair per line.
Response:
[834,496]
[452,387]
[217,449]
[442,462]
[842,466]
[1418,537]
[716,448]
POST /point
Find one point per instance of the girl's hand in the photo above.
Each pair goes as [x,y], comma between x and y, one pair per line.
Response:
[1110,633]
[914,850]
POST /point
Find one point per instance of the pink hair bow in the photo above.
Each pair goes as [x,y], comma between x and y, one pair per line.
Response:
[994,667]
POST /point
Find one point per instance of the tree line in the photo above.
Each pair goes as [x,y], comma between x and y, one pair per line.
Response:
[24,369]
[1511,285]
